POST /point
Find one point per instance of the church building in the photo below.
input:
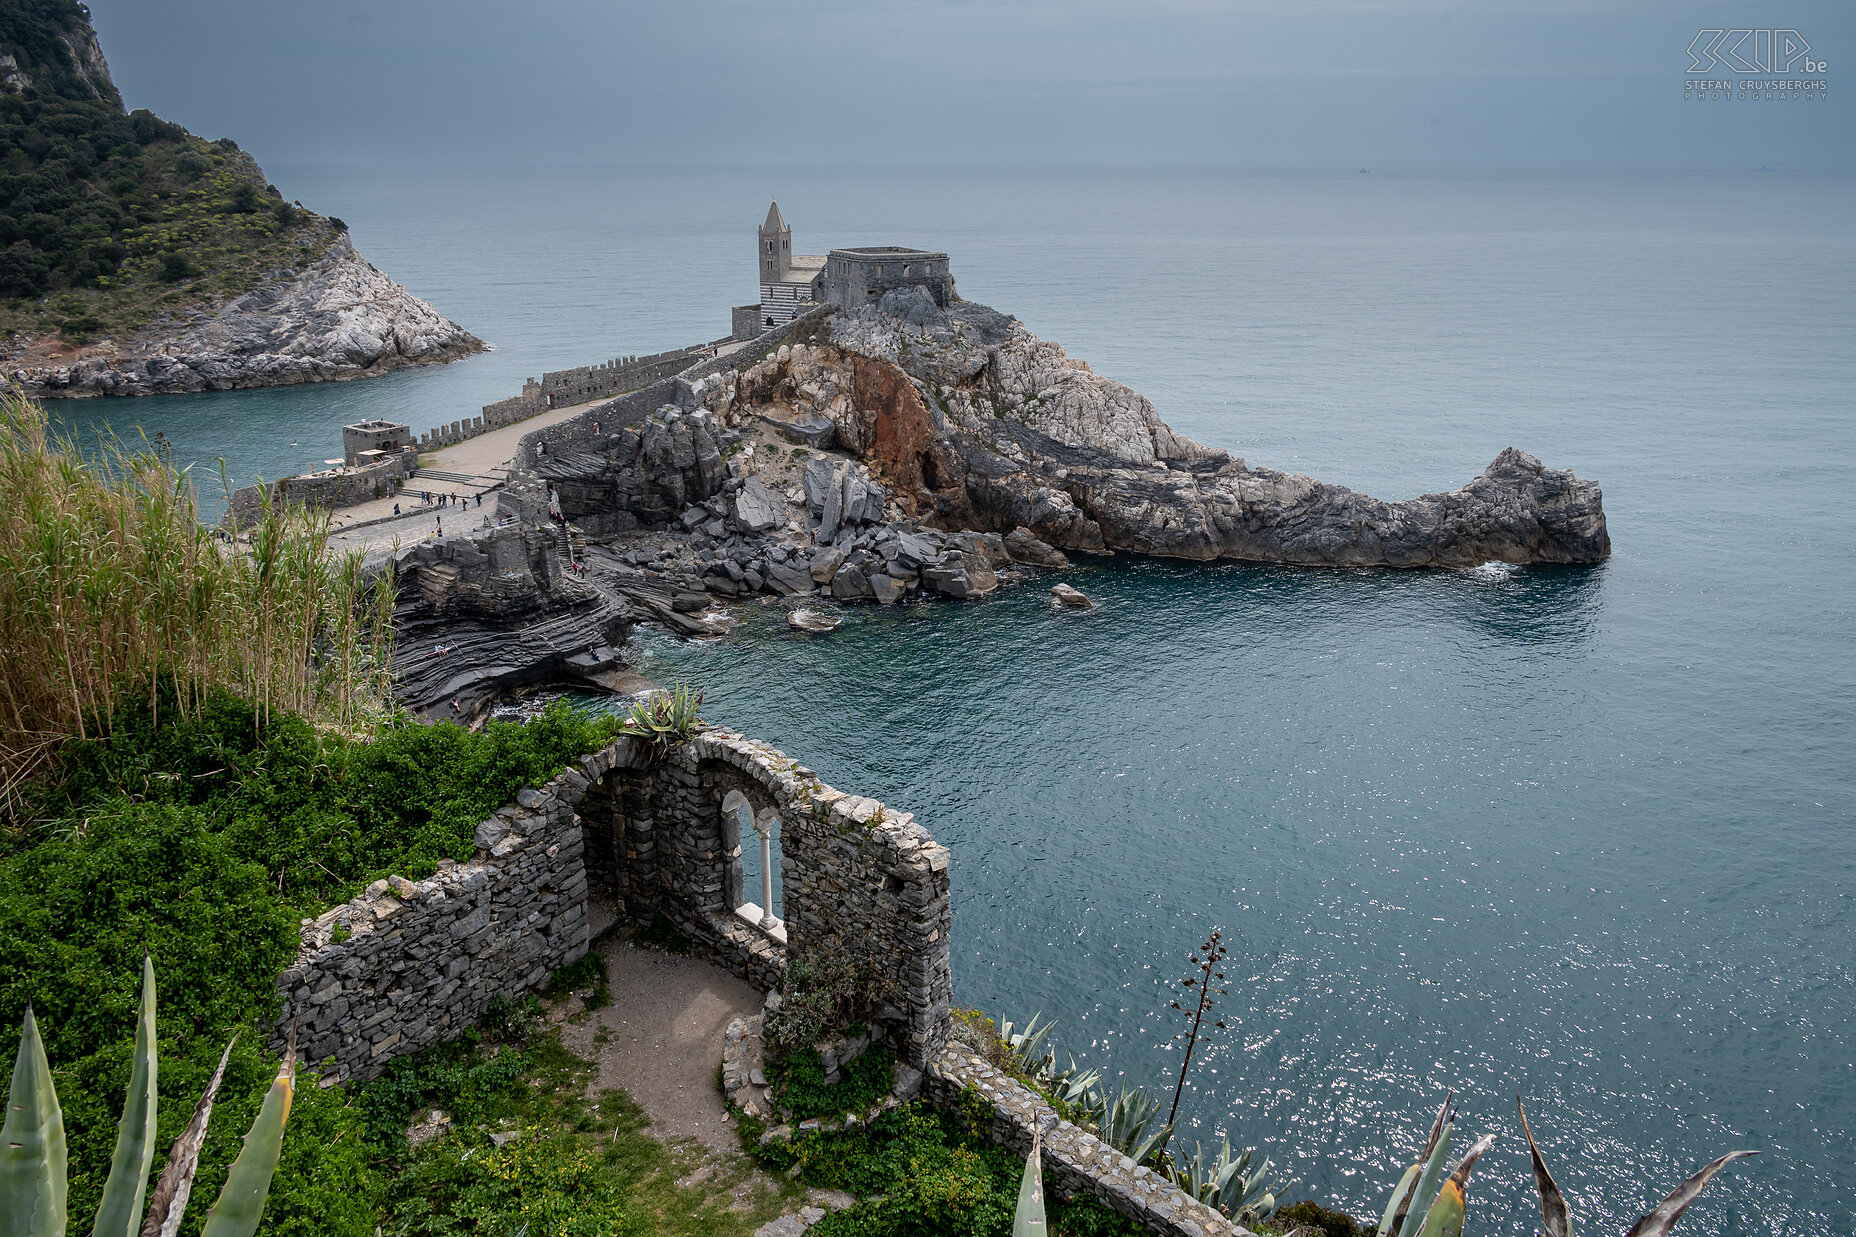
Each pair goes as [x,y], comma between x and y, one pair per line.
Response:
[791,283]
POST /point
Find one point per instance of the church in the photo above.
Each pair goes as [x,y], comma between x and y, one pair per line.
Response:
[791,283]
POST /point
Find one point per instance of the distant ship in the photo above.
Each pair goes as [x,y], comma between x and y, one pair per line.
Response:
[1362,171]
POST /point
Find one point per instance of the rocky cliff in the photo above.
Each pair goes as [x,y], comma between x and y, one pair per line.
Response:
[335,319]
[975,423]
[137,258]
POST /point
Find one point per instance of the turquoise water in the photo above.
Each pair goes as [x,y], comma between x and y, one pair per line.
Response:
[1583,834]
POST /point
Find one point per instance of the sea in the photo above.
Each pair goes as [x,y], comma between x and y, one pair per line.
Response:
[1581,836]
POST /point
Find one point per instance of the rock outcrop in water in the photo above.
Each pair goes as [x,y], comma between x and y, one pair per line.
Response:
[336,319]
[977,423]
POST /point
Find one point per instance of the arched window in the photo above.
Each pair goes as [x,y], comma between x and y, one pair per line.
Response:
[757,841]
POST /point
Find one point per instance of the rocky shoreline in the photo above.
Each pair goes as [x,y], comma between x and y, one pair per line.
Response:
[896,451]
[335,319]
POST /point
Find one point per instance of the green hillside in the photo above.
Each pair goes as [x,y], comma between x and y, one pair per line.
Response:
[110,218]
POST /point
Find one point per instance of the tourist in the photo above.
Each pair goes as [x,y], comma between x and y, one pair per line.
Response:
[396,508]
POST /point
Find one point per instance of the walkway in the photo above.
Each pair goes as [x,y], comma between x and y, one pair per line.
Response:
[662,1039]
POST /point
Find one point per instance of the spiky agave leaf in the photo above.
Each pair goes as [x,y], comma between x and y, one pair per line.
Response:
[1028,1220]
[1400,1202]
[169,1202]
[1664,1216]
[121,1209]
[1445,1217]
[248,1184]
[1431,1166]
[1555,1215]
[32,1156]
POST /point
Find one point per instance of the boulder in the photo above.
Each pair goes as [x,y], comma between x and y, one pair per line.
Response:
[787,580]
[832,513]
[1070,597]
[815,432]
[886,589]
[850,584]
[816,480]
[1022,547]
[756,507]
[811,621]
[825,564]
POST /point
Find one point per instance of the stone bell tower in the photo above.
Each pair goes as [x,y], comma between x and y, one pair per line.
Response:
[776,247]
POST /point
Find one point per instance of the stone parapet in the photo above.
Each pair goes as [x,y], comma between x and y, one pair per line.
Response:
[1075,1161]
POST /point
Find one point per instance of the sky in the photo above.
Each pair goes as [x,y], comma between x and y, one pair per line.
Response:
[1174,84]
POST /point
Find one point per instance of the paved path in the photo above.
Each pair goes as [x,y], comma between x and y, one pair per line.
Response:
[663,1040]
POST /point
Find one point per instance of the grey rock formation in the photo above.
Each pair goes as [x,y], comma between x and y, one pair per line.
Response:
[1005,431]
[756,509]
[336,319]
[1027,549]
[478,617]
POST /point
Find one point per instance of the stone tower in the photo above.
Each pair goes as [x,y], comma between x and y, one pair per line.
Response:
[776,247]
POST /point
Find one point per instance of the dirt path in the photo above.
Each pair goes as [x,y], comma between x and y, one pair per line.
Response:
[662,1039]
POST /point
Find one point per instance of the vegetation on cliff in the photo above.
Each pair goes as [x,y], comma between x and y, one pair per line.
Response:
[200,751]
[111,219]
[109,584]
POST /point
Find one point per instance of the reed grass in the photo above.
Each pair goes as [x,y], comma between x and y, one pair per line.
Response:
[110,585]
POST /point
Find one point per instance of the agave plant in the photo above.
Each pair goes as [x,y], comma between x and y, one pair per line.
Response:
[664,717]
[1420,1207]
[1122,1122]
[1071,1086]
[1229,1184]
[32,1148]
[1028,1218]
[1556,1215]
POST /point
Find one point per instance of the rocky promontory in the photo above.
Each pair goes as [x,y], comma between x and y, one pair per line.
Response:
[336,318]
[896,451]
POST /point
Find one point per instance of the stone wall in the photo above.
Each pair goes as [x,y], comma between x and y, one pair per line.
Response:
[335,488]
[410,963]
[855,875]
[857,277]
[1075,1161]
[578,433]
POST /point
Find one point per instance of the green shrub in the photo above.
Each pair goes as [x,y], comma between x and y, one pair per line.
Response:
[825,991]
[204,841]
[799,1086]
[921,1173]
[1325,1220]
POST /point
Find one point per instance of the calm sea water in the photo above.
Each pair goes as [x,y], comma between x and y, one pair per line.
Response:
[1579,834]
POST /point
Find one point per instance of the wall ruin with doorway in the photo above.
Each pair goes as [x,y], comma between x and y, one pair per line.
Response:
[855,875]
[411,963]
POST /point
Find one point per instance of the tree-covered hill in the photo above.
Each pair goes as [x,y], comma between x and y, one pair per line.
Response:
[109,219]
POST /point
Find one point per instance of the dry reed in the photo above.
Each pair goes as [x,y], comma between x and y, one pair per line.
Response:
[110,585]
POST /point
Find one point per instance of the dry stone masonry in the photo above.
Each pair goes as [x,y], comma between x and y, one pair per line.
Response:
[408,963]
[1075,1161]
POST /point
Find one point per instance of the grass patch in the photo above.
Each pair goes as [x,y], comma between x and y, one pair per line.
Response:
[588,974]
[575,1165]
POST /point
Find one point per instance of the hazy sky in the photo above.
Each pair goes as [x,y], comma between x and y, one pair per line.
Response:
[1324,84]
